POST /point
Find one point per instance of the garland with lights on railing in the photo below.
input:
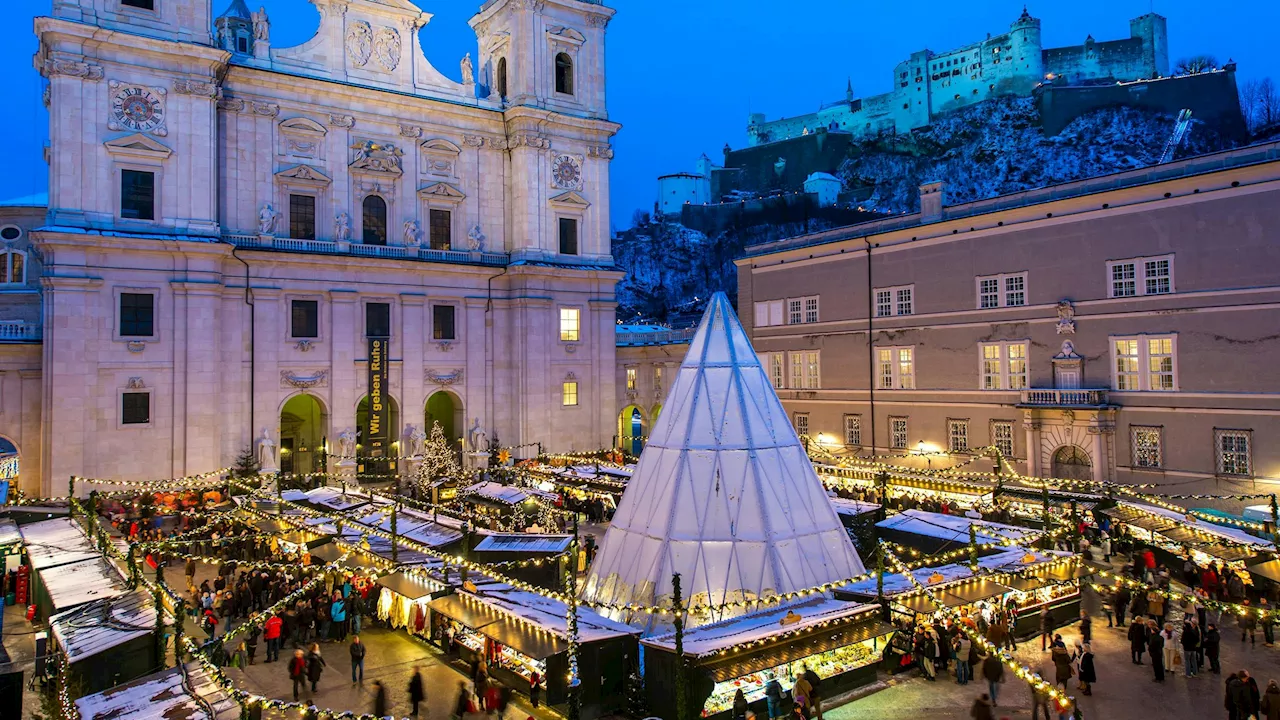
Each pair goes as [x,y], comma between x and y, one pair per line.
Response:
[256,623]
[1182,598]
[1033,678]
[202,480]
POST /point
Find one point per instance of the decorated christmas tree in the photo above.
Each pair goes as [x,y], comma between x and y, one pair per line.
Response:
[438,460]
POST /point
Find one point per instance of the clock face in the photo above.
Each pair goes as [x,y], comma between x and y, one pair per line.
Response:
[137,108]
[566,172]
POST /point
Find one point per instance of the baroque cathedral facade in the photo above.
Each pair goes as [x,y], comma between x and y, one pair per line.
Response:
[301,249]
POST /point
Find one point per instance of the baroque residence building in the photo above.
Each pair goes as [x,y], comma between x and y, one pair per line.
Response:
[234,229]
[1121,328]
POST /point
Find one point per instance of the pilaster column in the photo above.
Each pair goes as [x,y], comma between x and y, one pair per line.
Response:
[198,428]
[414,335]
[72,306]
[346,329]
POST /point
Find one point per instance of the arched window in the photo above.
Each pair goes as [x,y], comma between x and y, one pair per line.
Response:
[13,267]
[502,77]
[375,221]
[564,74]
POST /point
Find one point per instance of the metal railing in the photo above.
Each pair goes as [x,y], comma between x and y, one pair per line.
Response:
[19,331]
[1060,397]
[395,252]
[656,337]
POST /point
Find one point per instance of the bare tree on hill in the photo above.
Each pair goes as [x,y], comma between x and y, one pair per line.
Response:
[1195,65]
[1260,103]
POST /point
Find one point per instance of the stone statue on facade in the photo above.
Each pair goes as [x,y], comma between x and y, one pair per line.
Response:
[266,454]
[1066,318]
[342,227]
[415,441]
[478,438]
[347,447]
[411,234]
[261,25]
[468,74]
[475,239]
[267,219]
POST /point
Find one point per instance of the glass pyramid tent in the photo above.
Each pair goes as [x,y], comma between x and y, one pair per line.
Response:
[724,493]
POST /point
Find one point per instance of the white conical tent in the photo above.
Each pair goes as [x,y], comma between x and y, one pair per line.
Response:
[723,494]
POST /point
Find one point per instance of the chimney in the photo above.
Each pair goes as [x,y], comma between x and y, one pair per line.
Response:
[931,202]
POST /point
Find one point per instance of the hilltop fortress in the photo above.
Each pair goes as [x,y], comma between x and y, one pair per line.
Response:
[929,84]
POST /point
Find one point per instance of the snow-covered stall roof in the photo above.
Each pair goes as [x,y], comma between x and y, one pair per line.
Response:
[723,494]
[166,695]
[954,528]
[551,615]
[78,583]
[524,542]
[413,524]
[1014,560]
[327,498]
[9,533]
[1229,534]
[708,639]
[104,624]
[852,507]
[500,493]
[50,543]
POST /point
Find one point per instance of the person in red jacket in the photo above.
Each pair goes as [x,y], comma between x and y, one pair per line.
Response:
[298,672]
[1149,563]
[272,634]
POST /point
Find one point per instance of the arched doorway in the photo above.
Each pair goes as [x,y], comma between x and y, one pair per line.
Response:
[1072,463]
[304,431]
[445,408]
[653,416]
[374,470]
[9,468]
[632,430]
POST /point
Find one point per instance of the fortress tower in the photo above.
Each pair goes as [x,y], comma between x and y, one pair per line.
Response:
[1153,30]
[1026,53]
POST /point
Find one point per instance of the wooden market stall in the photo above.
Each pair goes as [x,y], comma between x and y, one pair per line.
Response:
[841,641]
[108,641]
[506,547]
[60,541]
[931,532]
[63,587]
[188,692]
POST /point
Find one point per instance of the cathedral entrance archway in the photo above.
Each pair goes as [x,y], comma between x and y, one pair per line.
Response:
[1070,462]
[633,430]
[371,470]
[304,432]
[445,408]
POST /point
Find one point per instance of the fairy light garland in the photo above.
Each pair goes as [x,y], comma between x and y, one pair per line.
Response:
[1233,608]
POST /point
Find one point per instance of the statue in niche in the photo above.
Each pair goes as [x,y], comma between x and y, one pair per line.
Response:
[266,452]
[267,219]
[478,438]
[468,74]
[342,227]
[415,441]
[412,234]
[475,239]
[347,443]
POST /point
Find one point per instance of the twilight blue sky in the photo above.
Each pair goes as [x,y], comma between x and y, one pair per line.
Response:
[683,75]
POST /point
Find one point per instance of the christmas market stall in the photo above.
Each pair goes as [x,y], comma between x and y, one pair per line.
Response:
[418,526]
[187,692]
[520,633]
[1028,503]
[10,545]
[63,587]
[109,641]
[403,598]
[56,542]
[930,532]
[840,641]
[505,505]
[905,487]
[546,556]
[859,519]
[1174,534]
[329,499]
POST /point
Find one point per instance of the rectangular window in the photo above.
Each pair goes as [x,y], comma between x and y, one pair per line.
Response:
[773,362]
[1007,290]
[1003,365]
[794,313]
[1157,354]
[137,195]
[1140,276]
[797,371]
[898,433]
[140,4]
[884,303]
[304,319]
[657,379]
[135,408]
[631,379]
[569,325]
[769,313]
[958,436]
[377,320]
[569,393]
[904,306]
[1002,437]
[895,301]
[896,368]
[811,309]
[802,424]
[805,370]
[302,217]
[441,226]
[853,430]
[1235,451]
[443,322]
[568,236]
[137,314]
[1145,442]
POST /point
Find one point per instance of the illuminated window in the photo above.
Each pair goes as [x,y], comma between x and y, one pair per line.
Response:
[898,433]
[1145,443]
[569,325]
[896,368]
[895,300]
[1235,456]
[1004,365]
[1008,290]
[853,430]
[958,435]
[569,393]
[631,379]
[13,267]
[1145,362]
[1002,437]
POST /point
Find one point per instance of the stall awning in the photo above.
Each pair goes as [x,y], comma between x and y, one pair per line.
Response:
[796,648]
[469,612]
[971,592]
[922,605]
[409,587]
[331,552]
[1229,553]
[1183,535]
[499,626]
[1025,583]
[1269,569]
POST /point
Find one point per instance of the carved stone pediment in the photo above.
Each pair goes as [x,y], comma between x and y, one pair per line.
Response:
[376,157]
[303,381]
[570,199]
[443,192]
[138,145]
[566,34]
[443,378]
[439,158]
[305,173]
[303,126]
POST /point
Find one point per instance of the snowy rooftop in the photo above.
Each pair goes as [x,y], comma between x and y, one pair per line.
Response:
[9,533]
[56,542]
[104,624]
[166,695]
[1014,560]
[1229,534]
[853,507]
[82,582]
[500,493]
[707,639]
[413,524]
[327,498]
[32,200]
[551,614]
[953,528]
[524,542]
